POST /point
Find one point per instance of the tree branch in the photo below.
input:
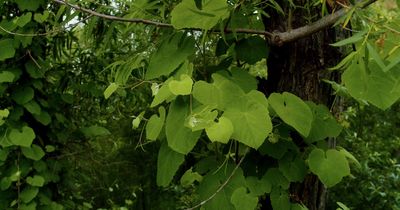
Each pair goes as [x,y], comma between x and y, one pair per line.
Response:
[275,38]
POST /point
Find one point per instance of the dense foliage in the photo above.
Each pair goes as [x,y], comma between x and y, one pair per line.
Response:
[166,95]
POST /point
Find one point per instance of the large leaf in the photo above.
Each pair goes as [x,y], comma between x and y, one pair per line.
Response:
[371,84]
[180,138]
[293,167]
[7,49]
[257,186]
[250,119]
[167,164]
[213,181]
[243,200]
[170,55]
[293,111]
[220,131]
[242,78]
[187,15]
[324,124]
[23,137]
[181,87]
[155,125]
[251,49]
[330,167]
[280,199]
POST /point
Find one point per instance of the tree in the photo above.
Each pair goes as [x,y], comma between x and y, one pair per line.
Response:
[235,134]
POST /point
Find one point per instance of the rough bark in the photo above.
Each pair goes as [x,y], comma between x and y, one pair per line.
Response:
[299,67]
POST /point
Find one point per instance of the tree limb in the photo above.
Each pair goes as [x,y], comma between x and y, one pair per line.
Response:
[275,38]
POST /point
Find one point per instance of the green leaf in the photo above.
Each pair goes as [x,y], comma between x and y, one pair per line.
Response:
[375,55]
[349,156]
[162,94]
[257,186]
[22,20]
[276,178]
[7,49]
[293,111]
[251,49]
[3,154]
[5,183]
[23,95]
[280,199]
[23,137]
[293,168]
[213,180]
[330,167]
[44,117]
[187,15]
[94,130]
[189,177]
[3,114]
[342,206]
[29,5]
[34,71]
[6,76]
[155,125]
[182,87]
[40,18]
[167,164]
[201,117]
[137,120]
[28,194]
[35,181]
[371,84]
[242,200]
[34,152]
[220,131]
[180,138]
[33,107]
[241,78]
[250,119]
[110,90]
[276,150]
[324,125]
[353,39]
[172,53]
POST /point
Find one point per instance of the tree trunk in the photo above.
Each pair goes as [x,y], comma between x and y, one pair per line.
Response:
[299,67]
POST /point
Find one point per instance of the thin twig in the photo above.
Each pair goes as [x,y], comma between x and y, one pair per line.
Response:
[222,186]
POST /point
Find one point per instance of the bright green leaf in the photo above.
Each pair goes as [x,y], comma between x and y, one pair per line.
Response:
[242,200]
[110,90]
[353,39]
[182,87]
[137,120]
[33,107]
[44,117]
[330,167]
[201,117]
[167,164]
[6,76]
[189,177]
[162,93]
[220,131]
[40,18]
[23,19]
[293,111]
[187,15]
[23,137]
[34,152]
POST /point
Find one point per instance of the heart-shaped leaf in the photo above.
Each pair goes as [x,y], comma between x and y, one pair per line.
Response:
[243,200]
[34,152]
[220,131]
[155,125]
[330,167]
[182,87]
[23,137]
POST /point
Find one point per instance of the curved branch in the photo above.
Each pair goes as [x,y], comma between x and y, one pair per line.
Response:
[275,38]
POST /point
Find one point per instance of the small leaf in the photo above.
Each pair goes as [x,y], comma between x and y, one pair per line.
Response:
[7,49]
[187,15]
[23,95]
[44,117]
[137,120]
[162,94]
[155,125]
[94,130]
[293,111]
[220,131]
[33,107]
[23,19]
[110,90]
[189,177]
[182,87]
[23,137]
[28,194]
[6,76]
[242,200]
[34,152]
[167,164]
[353,39]
[36,181]
[40,18]
[330,167]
